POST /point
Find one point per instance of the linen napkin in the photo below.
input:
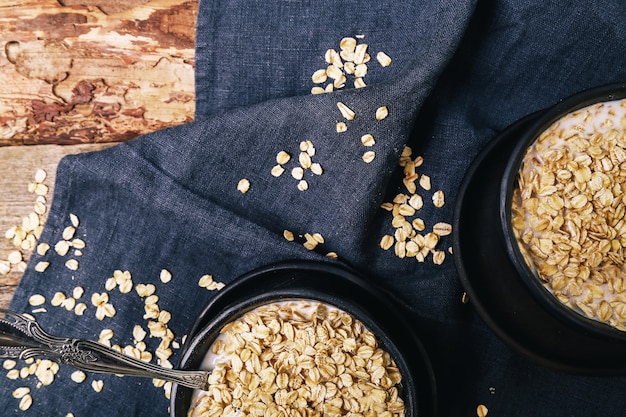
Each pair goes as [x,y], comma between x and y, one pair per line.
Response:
[201,202]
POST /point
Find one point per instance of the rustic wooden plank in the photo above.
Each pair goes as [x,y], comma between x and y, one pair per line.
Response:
[85,71]
[18,165]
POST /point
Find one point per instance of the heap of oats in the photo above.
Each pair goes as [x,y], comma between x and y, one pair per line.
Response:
[350,61]
[409,239]
[568,210]
[290,359]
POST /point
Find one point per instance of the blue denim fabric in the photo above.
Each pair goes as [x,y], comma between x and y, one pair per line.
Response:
[462,71]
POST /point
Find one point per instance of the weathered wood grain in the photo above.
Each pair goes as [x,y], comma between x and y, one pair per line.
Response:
[18,165]
[86,71]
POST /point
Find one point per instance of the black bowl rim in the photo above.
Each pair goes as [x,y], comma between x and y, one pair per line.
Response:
[570,104]
[207,325]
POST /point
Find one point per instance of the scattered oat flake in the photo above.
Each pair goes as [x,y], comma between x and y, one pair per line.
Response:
[78,376]
[438,257]
[9,364]
[80,308]
[303,185]
[15,257]
[316,168]
[381,113]
[331,56]
[165,276]
[62,247]
[57,299]
[310,243]
[40,208]
[416,201]
[97,385]
[68,232]
[110,284]
[341,127]
[438,199]
[78,243]
[42,248]
[69,303]
[442,228]
[36,300]
[20,392]
[139,333]
[318,237]
[334,72]
[297,173]
[205,280]
[105,336]
[348,44]
[481,411]
[346,112]
[360,71]
[243,186]
[383,59]
[319,76]
[40,175]
[26,402]
[369,156]
[425,182]
[72,264]
[386,242]
[464,298]
[305,160]
[367,140]
[282,157]
[41,189]
[288,235]
[360,53]
[277,170]
[105,310]
[10,232]
[145,290]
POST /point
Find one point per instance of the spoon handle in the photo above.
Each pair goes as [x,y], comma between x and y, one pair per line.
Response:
[95,357]
[26,339]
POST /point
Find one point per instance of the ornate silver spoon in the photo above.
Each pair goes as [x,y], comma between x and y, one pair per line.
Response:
[22,337]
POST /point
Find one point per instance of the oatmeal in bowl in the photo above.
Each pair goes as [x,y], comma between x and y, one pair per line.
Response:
[305,338]
[297,357]
[563,210]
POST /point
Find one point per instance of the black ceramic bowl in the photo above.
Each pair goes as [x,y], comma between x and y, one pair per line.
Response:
[509,184]
[505,291]
[329,284]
